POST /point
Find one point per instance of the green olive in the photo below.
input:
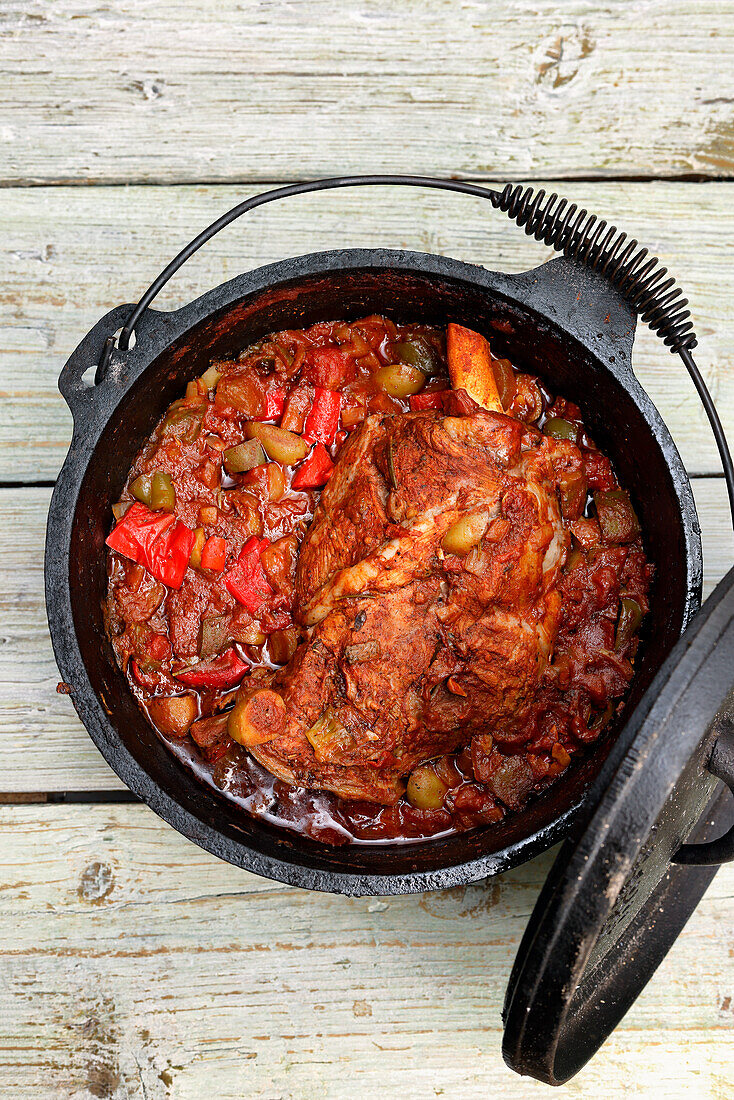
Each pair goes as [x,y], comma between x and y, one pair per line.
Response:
[183,422]
[400,379]
[244,457]
[425,790]
[162,492]
[630,617]
[418,352]
[558,428]
[617,519]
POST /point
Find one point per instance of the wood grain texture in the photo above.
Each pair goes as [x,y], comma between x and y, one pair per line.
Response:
[33,715]
[134,965]
[192,91]
[67,256]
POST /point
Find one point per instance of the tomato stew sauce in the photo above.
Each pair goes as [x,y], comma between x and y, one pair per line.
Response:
[208,531]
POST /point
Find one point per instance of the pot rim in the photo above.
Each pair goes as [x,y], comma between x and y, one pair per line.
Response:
[94,407]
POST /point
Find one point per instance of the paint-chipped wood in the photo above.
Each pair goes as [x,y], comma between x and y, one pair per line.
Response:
[67,256]
[134,965]
[194,91]
[43,745]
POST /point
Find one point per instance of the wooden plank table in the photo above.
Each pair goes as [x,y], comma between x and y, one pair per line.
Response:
[131,963]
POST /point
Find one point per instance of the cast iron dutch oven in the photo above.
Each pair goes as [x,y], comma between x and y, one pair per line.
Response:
[627,807]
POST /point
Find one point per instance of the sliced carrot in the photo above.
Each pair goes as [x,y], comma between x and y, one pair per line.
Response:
[470,366]
[259,716]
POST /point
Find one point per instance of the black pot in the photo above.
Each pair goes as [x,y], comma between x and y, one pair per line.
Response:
[559,321]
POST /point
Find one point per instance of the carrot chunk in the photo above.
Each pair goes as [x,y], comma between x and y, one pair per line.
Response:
[470,366]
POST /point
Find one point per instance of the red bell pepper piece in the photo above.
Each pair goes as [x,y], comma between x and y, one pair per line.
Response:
[214,554]
[137,531]
[323,420]
[169,554]
[122,542]
[274,402]
[223,671]
[315,470]
[246,580]
[431,400]
[156,540]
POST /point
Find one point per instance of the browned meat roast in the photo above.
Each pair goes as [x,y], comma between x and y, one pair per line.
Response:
[427,595]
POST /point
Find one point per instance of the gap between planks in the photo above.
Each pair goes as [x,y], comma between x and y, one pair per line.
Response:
[531,179]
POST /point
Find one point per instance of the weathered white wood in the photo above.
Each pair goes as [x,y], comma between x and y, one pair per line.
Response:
[43,746]
[193,91]
[134,965]
[67,256]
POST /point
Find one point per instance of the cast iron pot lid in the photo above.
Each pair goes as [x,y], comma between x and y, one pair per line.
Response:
[624,886]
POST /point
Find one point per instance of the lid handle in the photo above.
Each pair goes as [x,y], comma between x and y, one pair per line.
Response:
[721,764]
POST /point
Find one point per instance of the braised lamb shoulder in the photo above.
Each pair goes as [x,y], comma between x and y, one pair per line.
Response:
[428,601]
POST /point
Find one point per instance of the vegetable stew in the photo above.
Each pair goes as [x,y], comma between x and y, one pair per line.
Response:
[372,583]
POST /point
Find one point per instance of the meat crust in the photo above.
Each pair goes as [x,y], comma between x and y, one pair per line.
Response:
[409,651]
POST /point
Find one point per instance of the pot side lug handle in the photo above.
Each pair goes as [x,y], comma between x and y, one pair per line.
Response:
[585,305]
[88,356]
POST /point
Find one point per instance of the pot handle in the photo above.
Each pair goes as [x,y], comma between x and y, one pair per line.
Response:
[92,352]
